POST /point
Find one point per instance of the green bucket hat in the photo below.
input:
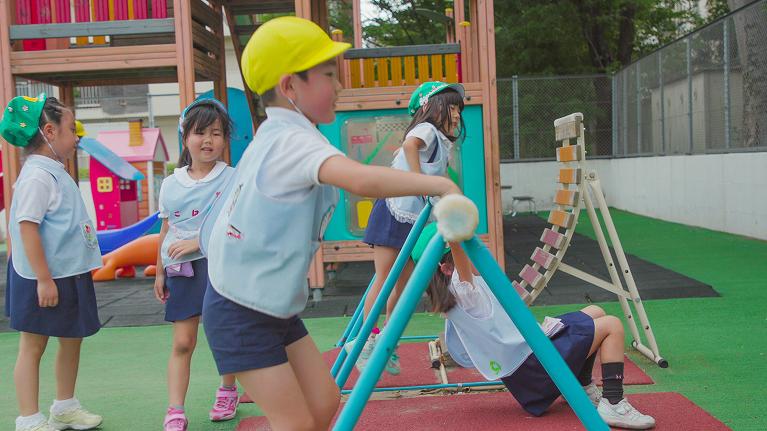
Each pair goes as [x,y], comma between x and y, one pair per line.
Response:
[424,91]
[21,119]
[420,246]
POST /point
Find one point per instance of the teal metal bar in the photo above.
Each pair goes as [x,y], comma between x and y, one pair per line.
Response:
[388,338]
[383,296]
[430,387]
[551,360]
[343,354]
[357,313]
[418,337]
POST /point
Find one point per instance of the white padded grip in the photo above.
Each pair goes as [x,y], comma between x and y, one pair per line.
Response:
[457,218]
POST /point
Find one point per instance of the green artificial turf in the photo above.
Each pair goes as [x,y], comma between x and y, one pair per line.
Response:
[717,347]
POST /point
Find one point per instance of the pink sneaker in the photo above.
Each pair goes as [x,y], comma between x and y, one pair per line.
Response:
[226,404]
[175,420]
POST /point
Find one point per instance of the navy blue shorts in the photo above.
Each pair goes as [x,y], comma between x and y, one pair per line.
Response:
[383,229]
[76,315]
[243,339]
[530,383]
[186,293]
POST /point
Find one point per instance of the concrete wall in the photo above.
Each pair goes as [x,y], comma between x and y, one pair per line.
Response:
[723,192]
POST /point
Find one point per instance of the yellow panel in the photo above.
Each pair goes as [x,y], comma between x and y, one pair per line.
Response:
[383,72]
[368,72]
[436,68]
[561,218]
[354,71]
[104,185]
[423,68]
[451,68]
[396,71]
[364,208]
[569,176]
[566,197]
[409,70]
[111,10]
[569,154]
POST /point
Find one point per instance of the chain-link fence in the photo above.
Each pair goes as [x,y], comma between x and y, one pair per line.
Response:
[704,93]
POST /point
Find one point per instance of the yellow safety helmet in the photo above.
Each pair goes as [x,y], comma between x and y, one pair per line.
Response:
[283,46]
[79,129]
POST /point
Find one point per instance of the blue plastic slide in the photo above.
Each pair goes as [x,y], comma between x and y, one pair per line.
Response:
[113,239]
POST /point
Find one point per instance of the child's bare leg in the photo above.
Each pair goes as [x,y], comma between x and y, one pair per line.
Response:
[67,364]
[320,390]
[399,287]
[383,258]
[179,364]
[277,392]
[227,380]
[594,311]
[608,339]
[26,375]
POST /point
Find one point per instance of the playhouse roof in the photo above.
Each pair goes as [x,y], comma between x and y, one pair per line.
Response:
[153,148]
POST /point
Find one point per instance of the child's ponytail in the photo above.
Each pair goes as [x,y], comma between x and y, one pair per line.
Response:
[441,298]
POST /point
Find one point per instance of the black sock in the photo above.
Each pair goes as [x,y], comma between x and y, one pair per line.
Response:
[612,382]
[584,377]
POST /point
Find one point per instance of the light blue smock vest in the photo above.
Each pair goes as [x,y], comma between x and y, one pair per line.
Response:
[492,345]
[187,207]
[67,234]
[260,248]
[406,209]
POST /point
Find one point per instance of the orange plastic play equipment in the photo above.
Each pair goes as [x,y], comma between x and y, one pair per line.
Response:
[123,261]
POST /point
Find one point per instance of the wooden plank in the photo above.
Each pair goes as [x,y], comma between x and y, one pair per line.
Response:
[205,39]
[355,71]
[107,54]
[396,71]
[570,153]
[79,66]
[566,197]
[554,239]
[205,65]
[561,219]
[113,28]
[184,52]
[368,72]
[92,52]
[382,66]
[423,68]
[451,68]
[542,258]
[531,276]
[568,127]
[403,51]
[436,67]
[409,63]
[205,15]
[569,176]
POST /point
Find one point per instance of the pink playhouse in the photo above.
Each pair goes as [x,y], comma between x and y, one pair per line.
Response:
[121,202]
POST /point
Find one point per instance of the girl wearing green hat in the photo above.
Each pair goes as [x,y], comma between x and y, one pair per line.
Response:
[54,249]
[436,110]
[479,334]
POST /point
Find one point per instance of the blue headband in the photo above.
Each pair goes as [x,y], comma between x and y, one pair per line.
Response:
[200,101]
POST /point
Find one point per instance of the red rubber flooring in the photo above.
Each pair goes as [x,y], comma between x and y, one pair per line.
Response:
[499,411]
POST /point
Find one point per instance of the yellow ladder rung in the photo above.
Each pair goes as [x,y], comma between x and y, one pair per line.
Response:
[569,176]
[561,218]
[566,197]
[571,153]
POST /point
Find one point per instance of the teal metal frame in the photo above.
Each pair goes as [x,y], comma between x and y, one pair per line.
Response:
[501,287]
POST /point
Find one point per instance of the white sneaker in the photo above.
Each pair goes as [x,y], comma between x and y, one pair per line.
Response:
[41,426]
[624,415]
[367,350]
[593,392]
[75,419]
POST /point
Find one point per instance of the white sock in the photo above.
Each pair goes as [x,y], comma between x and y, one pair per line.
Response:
[29,421]
[61,406]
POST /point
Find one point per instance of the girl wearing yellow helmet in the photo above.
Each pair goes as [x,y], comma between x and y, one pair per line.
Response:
[270,225]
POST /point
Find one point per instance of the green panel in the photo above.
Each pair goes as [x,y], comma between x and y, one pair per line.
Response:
[372,136]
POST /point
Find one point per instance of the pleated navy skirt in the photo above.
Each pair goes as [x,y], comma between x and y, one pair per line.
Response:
[186,293]
[383,229]
[531,385]
[75,316]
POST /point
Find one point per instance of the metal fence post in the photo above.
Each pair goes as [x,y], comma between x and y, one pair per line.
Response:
[515,114]
[614,112]
[662,106]
[726,76]
[639,106]
[625,113]
[689,89]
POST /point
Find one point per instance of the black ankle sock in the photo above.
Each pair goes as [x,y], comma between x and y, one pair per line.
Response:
[612,382]
[584,377]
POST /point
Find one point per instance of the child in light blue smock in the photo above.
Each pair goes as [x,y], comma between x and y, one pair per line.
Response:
[53,251]
[186,198]
[436,126]
[479,334]
[271,223]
